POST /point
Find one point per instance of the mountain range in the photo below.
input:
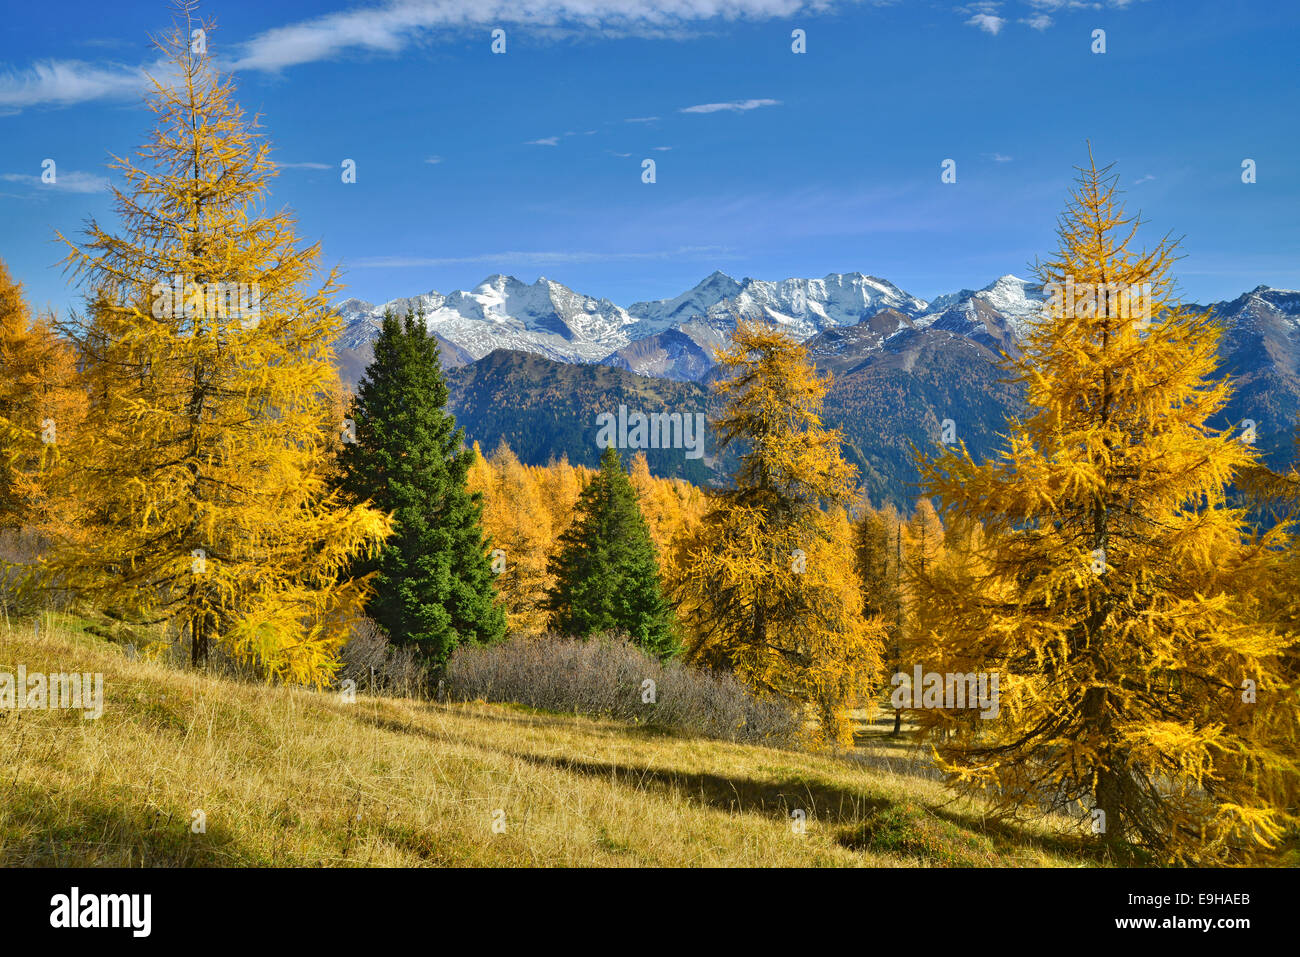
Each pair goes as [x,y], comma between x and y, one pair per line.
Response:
[534,364]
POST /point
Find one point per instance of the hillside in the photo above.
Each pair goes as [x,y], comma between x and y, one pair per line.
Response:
[302,778]
[545,409]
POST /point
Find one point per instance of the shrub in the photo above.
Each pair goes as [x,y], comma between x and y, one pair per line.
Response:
[605,676]
[380,667]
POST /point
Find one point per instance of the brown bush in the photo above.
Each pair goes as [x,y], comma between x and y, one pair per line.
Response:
[380,667]
[604,676]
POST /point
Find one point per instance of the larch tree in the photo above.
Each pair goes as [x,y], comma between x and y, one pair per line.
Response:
[205,458]
[606,572]
[517,523]
[878,556]
[761,585]
[42,404]
[433,580]
[1139,682]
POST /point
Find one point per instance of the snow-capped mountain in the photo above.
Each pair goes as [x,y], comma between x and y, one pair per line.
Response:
[899,371]
[996,316]
[804,306]
[675,338]
[502,312]
[551,319]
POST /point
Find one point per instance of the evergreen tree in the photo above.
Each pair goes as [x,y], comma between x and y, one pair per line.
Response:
[1114,592]
[433,579]
[607,575]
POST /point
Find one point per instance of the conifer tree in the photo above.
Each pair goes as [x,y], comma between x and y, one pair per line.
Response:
[1112,593]
[877,553]
[762,585]
[433,584]
[517,521]
[42,404]
[606,572]
[203,465]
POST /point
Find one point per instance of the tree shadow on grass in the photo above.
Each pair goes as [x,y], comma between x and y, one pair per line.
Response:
[40,829]
[772,799]
[1007,834]
[935,836]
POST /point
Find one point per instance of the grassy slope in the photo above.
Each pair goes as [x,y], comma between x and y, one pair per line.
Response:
[302,778]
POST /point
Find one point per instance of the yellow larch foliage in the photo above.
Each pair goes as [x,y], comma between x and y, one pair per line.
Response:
[42,405]
[517,521]
[1114,589]
[212,426]
[765,584]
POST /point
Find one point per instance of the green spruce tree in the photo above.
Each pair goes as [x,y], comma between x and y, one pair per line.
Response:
[403,452]
[607,574]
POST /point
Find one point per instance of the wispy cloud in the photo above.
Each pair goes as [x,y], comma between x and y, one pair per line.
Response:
[63,82]
[304,165]
[641,119]
[1039,22]
[72,182]
[998,157]
[391,26]
[734,105]
[535,258]
[1143,179]
[544,141]
[433,160]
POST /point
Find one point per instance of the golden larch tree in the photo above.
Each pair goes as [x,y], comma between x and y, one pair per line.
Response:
[212,423]
[517,525]
[1140,685]
[878,558]
[762,584]
[42,403]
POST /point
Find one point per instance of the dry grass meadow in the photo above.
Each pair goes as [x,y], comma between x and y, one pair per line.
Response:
[302,778]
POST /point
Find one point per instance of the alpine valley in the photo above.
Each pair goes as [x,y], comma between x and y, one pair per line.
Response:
[533,365]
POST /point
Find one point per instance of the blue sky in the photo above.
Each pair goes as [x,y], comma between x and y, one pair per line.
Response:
[768,163]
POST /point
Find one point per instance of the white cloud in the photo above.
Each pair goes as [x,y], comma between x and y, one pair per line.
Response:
[642,119]
[304,165]
[987,22]
[736,105]
[1143,179]
[1040,21]
[62,82]
[391,26]
[544,141]
[72,182]
[433,160]
[999,157]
